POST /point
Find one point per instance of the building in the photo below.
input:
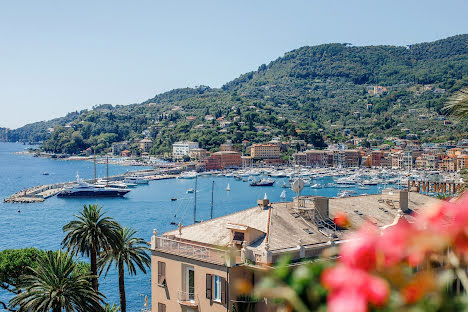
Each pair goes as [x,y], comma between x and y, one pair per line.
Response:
[265,151]
[223,160]
[118,147]
[462,162]
[145,145]
[198,154]
[180,149]
[126,153]
[227,147]
[196,267]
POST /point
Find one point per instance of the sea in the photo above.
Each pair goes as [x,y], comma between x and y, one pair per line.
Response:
[145,208]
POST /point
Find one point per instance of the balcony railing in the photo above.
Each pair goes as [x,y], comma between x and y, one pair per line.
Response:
[196,251]
[189,299]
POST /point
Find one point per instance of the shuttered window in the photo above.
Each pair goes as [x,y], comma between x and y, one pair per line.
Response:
[209,286]
[161,273]
[223,290]
[161,307]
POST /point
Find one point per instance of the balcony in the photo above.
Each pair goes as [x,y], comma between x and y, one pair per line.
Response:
[195,251]
[188,299]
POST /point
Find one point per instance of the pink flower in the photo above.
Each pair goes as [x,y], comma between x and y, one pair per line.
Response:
[348,283]
[393,244]
[359,250]
[350,301]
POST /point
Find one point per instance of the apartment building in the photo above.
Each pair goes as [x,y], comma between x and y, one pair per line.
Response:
[198,153]
[265,151]
[223,160]
[180,149]
[196,267]
[462,162]
[145,145]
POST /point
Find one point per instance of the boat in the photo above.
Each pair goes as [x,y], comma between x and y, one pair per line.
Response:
[316,186]
[45,173]
[285,185]
[228,188]
[190,191]
[135,180]
[116,184]
[173,199]
[187,175]
[263,182]
[283,194]
[83,189]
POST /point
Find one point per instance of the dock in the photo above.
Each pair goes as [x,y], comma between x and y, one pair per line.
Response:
[40,193]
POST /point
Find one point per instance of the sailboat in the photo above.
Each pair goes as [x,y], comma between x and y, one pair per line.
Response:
[283,194]
[228,188]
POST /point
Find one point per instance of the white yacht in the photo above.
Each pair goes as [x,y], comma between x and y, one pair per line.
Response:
[83,189]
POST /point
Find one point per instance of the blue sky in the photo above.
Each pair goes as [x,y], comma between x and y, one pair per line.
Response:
[61,56]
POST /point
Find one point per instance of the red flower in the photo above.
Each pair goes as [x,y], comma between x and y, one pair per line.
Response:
[341,220]
[355,285]
[359,249]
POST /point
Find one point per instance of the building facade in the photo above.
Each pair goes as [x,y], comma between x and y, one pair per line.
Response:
[265,151]
[180,149]
[223,160]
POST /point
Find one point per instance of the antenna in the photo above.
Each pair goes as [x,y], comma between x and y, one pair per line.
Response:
[298,186]
[94,158]
[212,191]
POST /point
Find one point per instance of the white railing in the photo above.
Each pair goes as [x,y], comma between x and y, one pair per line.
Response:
[187,298]
[196,251]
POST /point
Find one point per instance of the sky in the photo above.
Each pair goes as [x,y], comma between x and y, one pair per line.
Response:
[62,56]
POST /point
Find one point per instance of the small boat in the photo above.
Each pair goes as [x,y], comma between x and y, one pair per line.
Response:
[173,199]
[228,188]
[285,185]
[135,180]
[45,173]
[283,194]
[316,186]
[263,182]
[190,191]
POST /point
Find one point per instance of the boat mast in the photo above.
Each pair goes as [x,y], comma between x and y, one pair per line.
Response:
[94,159]
[195,202]
[212,191]
[107,170]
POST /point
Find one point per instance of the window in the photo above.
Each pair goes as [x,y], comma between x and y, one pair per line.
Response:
[217,288]
[238,236]
[161,273]
[161,307]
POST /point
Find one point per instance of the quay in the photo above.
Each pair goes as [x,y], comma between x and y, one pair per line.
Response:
[40,193]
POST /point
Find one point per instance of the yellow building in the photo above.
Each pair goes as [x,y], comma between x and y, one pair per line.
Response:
[196,267]
[265,151]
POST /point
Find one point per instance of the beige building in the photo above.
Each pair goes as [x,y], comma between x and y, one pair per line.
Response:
[145,145]
[197,267]
[265,151]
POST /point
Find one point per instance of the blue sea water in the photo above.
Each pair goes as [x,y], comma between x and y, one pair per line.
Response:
[145,208]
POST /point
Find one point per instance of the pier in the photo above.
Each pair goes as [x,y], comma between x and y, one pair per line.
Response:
[40,193]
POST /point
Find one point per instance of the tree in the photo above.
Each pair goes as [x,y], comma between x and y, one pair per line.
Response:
[130,252]
[14,263]
[57,284]
[457,105]
[111,308]
[90,234]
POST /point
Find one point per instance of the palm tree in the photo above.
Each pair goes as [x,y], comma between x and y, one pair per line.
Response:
[457,104]
[130,252]
[111,308]
[57,284]
[89,234]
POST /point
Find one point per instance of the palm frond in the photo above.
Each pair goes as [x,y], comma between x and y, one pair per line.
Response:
[457,104]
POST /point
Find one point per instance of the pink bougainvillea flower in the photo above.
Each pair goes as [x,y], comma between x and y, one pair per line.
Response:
[392,246]
[342,278]
[359,249]
[341,219]
[350,301]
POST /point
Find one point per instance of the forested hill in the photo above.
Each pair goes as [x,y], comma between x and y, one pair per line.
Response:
[329,91]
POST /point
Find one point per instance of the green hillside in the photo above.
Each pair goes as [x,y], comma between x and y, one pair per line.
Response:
[313,93]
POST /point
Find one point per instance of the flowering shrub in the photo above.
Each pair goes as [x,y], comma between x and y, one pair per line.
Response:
[411,266]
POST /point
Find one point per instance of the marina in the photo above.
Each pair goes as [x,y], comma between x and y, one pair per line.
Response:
[163,203]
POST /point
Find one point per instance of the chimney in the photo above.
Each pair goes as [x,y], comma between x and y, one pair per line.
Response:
[404,199]
[263,203]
